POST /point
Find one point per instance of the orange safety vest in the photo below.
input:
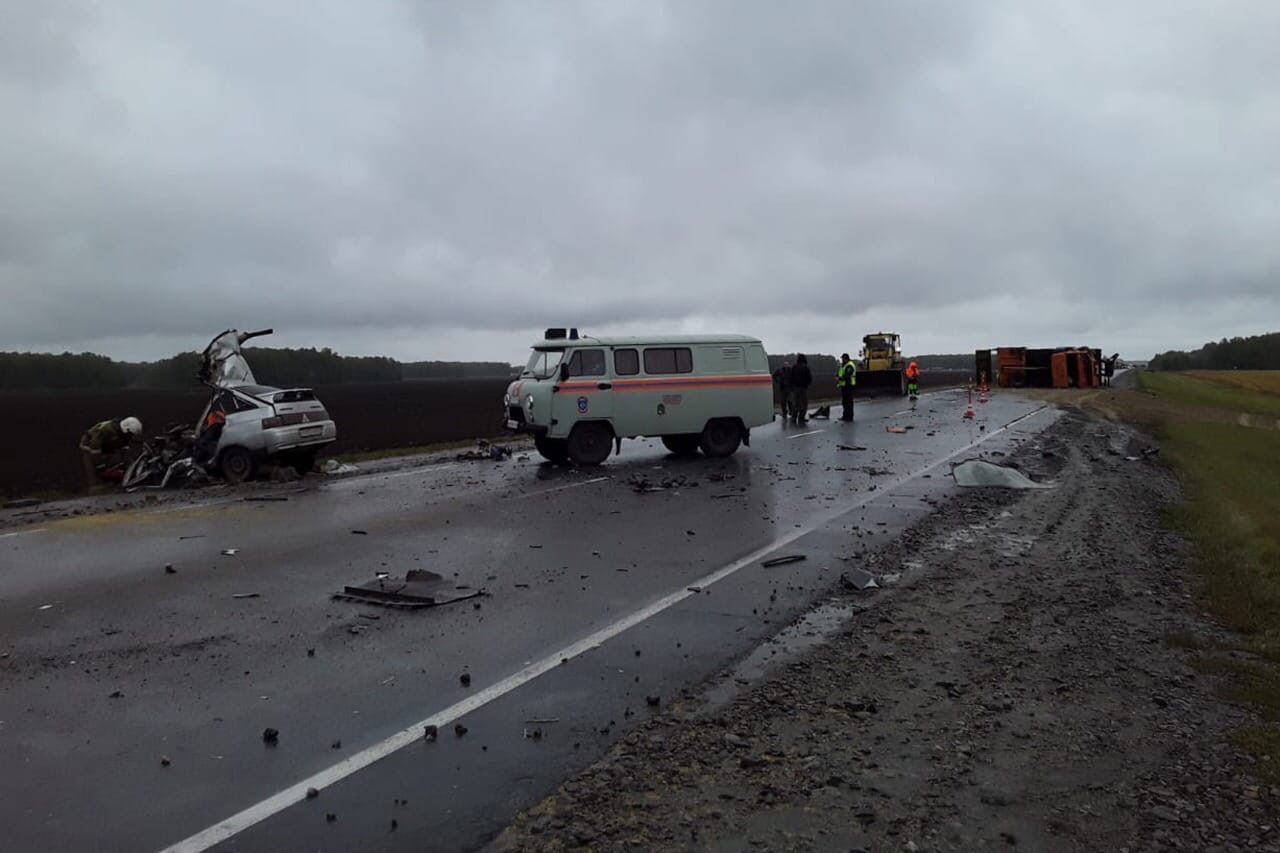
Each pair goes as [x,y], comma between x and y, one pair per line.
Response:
[913,372]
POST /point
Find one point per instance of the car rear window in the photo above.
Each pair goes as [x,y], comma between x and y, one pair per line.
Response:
[668,360]
[296,395]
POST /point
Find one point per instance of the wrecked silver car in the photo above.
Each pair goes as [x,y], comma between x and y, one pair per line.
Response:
[246,424]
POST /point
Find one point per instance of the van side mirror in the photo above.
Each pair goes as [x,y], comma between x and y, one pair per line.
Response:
[564,372]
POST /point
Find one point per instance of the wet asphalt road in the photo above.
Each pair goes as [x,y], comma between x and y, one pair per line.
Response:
[598,598]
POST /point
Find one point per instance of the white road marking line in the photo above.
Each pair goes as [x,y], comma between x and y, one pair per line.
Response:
[22,532]
[297,792]
[557,489]
[803,434]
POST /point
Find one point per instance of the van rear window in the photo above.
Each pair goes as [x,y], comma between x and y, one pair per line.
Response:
[668,360]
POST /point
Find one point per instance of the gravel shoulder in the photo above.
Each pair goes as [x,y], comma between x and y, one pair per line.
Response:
[1016,683]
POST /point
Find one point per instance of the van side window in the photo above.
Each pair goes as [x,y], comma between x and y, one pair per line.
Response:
[668,360]
[587,362]
[626,362]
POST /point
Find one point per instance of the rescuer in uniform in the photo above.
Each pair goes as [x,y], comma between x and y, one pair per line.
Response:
[102,442]
[783,377]
[846,378]
[913,382]
[801,379]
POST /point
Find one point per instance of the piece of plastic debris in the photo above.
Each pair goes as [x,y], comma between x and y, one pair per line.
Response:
[44,607]
[858,579]
[465,678]
[270,736]
[459,729]
[980,473]
[230,552]
[430,733]
[164,761]
[246,595]
[169,569]
[360,532]
[896,429]
[782,561]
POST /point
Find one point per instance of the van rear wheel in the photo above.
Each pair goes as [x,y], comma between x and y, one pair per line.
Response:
[682,445]
[552,449]
[720,437]
[589,443]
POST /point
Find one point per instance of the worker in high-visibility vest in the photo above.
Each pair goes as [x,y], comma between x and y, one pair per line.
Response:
[846,378]
[913,382]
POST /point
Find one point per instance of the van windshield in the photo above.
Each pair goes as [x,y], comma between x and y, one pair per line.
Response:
[543,363]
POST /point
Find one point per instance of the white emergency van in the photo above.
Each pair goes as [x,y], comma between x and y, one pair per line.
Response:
[580,396]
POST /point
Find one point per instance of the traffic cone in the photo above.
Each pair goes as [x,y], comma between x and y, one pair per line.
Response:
[969,412]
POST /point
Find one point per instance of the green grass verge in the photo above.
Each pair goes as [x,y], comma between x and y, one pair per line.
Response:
[1182,388]
[1231,516]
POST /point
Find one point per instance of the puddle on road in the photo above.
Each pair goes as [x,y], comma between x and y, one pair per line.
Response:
[813,629]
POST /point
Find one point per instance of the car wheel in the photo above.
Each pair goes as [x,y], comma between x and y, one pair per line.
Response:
[589,443]
[236,465]
[682,445]
[720,437]
[552,449]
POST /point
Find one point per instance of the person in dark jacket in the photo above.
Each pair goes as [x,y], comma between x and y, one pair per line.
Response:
[782,376]
[801,379]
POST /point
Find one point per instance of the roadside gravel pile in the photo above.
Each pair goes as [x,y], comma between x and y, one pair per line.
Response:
[1016,688]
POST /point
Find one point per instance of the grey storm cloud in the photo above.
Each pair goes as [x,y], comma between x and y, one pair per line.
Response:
[440,179]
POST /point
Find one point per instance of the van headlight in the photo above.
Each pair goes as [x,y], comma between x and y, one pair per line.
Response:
[528,402]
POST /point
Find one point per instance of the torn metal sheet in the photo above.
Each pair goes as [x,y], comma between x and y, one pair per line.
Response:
[419,589]
[782,561]
[858,579]
[979,473]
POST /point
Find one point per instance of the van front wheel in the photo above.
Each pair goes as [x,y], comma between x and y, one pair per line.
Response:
[682,445]
[589,443]
[552,449]
[720,437]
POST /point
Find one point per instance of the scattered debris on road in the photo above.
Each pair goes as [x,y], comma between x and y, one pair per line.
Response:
[782,561]
[641,484]
[169,569]
[230,552]
[333,466]
[857,579]
[980,473]
[465,679]
[270,736]
[850,447]
[485,452]
[420,588]
[246,595]
[359,533]
[312,793]
[264,498]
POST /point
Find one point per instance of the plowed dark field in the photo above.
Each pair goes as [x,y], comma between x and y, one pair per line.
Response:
[40,432]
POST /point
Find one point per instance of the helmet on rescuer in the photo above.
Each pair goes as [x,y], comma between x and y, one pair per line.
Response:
[131,427]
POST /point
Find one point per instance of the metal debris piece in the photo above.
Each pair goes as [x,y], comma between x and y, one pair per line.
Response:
[360,532]
[419,589]
[850,447]
[782,561]
[896,429]
[857,579]
[230,552]
[542,720]
[980,473]
[246,595]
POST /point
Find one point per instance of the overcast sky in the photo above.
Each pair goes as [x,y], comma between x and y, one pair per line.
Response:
[445,179]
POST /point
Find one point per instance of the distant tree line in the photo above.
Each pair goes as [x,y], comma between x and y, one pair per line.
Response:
[456,369]
[1257,352]
[280,367]
[961,361]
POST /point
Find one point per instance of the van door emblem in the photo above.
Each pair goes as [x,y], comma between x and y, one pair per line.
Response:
[583,403]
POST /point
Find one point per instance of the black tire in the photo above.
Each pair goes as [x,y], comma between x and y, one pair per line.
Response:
[720,437]
[552,449]
[682,445]
[236,465]
[590,443]
[303,461]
